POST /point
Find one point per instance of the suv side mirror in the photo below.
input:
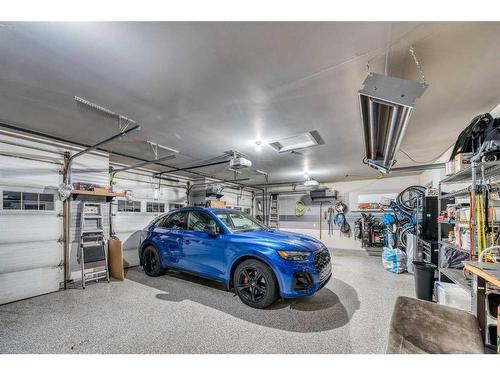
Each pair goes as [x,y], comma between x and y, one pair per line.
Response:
[212,229]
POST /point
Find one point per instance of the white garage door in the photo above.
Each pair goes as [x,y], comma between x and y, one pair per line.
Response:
[129,220]
[31,253]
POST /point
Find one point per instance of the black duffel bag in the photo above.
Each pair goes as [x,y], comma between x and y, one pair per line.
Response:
[473,136]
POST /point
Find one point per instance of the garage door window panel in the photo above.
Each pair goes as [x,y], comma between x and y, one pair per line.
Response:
[125,206]
[155,207]
[17,200]
[46,201]
[174,206]
[11,200]
[30,201]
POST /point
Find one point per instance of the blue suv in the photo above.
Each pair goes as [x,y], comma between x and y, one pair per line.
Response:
[231,247]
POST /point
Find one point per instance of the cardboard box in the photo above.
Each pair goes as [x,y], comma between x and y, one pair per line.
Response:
[452,295]
[212,203]
[462,161]
[449,168]
[115,259]
[101,190]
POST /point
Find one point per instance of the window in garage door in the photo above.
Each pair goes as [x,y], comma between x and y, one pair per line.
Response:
[17,200]
[174,206]
[155,207]
[125,206]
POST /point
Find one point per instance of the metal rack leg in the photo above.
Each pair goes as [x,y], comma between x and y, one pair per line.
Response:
[82,259]
[106,260]
[481,306]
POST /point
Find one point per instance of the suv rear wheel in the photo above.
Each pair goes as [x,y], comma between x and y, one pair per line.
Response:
[151,262]
[255,284]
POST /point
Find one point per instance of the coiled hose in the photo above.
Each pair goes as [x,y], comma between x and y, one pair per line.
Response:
[300,208]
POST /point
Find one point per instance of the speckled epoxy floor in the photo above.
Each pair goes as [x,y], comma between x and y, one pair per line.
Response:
[182,314]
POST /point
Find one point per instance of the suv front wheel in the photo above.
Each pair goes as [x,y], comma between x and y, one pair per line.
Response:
[255,284]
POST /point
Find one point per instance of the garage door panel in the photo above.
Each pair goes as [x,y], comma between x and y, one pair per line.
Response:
[130,240]
[131,222]
[29,283]
[30,227]
[96,174]
[130,258]
[130,243]
[25,256]
[30,253]
[24,172]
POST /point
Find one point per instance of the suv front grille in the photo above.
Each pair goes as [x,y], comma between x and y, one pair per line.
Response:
[322,263]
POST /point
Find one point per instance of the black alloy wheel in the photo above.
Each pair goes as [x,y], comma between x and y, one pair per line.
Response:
[151,262]
[255,284]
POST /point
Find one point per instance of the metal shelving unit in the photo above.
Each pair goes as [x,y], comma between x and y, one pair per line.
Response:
[457,276]
[479,173]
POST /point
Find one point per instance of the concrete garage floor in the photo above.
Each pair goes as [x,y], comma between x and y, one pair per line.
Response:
[177,313]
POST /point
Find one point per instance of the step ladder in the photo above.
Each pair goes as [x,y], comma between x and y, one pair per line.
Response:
[92,253]
[274,218]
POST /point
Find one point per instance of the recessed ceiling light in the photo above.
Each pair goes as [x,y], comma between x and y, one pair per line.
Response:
[297,142]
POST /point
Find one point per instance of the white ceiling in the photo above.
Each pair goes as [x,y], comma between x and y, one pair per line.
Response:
[204,88]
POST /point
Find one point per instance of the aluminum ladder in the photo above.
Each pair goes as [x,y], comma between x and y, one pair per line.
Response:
[92,254]
[274,217]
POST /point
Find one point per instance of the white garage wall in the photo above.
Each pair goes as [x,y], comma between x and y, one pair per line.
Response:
[237,198]
[309,223]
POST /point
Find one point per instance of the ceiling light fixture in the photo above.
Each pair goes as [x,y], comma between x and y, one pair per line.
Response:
[297,142]
[258,146]
[311,182]
[386,106]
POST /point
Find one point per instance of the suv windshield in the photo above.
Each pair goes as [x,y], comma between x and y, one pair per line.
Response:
[239,222]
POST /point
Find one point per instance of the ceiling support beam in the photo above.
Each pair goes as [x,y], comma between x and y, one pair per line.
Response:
[94,147]
[193,167]
[416,168]
[141,164]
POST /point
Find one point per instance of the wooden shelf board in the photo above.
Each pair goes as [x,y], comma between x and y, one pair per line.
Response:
[93,193]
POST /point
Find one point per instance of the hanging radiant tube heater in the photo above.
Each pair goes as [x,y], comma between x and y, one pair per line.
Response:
[386,106]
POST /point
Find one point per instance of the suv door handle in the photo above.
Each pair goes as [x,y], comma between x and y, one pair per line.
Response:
[187,242]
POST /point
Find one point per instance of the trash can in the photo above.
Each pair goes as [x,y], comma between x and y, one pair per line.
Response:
[424,279]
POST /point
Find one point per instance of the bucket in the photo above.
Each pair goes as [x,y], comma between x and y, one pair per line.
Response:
[424,279]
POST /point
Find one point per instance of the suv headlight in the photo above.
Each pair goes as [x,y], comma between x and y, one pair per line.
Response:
[293,255]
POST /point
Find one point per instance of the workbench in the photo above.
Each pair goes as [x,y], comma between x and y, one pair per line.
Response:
[483,273]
